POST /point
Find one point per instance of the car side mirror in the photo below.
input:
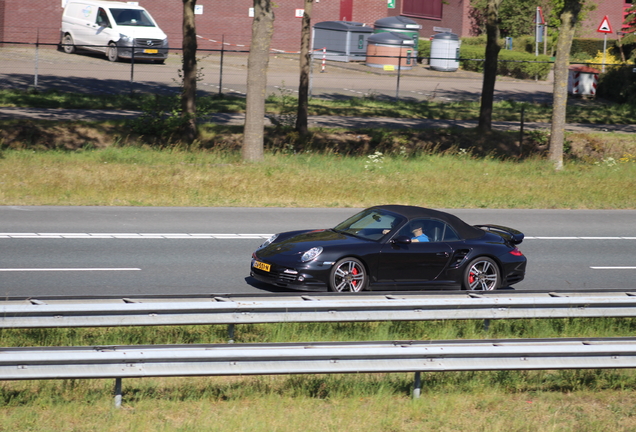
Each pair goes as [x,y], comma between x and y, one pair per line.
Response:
[401,240]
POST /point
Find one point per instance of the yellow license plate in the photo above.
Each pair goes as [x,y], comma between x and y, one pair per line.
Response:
[151,51]
[262,266]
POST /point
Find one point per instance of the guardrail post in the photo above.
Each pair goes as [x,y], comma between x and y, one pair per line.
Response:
[230,333]
[486,325]
[117,392]
[417,385]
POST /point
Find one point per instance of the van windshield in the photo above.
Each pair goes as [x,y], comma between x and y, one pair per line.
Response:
[132,17]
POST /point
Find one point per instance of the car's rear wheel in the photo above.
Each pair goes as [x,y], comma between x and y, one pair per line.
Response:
[68,44]
[112,52]
[482,274]
[348,275]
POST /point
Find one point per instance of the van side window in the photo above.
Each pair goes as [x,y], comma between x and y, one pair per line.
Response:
[102,18]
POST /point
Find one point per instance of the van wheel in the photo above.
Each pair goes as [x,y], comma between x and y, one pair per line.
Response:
[69,46]
[112,53]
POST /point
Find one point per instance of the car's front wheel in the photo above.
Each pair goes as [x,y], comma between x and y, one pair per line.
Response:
[68,44]
[482,274]
[112,52]
[348,275]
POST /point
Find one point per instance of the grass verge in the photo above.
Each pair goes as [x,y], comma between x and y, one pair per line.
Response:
[129,176]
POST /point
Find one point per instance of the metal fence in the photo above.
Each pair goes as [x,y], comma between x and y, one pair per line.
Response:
[297,358]
[224,72]
[217,66]
[245,309]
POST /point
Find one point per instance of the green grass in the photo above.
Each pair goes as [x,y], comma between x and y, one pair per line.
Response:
[149,177]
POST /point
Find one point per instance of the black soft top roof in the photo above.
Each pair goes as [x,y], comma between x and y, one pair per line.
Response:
[464,230]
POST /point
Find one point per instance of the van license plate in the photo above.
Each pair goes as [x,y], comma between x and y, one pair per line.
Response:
[151,51]
[262,266]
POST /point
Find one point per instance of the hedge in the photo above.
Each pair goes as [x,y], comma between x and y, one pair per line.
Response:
[511,63]
[618,84]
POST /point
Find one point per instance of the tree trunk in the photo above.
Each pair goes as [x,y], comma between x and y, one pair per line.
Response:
[262,30]
[490,66]
[188,97]
[569,17]
[305,64]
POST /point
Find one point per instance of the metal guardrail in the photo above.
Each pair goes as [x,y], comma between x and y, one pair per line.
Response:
[220,309]
[315,358]
[299,358]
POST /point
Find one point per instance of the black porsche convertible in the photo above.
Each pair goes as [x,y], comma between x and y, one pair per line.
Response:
[393,247]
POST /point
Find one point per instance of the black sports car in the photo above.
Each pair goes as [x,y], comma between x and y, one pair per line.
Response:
[393,247]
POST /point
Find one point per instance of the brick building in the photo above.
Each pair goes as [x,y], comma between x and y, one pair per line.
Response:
[230,20]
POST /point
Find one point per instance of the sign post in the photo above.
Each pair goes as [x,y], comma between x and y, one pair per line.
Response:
[605,27]
[539,22]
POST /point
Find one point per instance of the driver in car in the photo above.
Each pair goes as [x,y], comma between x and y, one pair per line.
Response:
[418,234]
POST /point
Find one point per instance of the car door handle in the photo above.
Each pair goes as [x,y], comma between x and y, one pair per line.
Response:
[444,254]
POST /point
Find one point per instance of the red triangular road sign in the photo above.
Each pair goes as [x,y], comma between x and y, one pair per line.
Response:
[538,16]
[605,26]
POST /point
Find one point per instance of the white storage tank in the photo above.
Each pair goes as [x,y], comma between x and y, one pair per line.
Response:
[445,52]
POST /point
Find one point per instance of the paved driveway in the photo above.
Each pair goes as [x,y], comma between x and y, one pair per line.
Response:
[48,68]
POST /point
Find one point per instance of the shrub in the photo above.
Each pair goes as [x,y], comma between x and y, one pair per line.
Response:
[588,46]
[618,85]
[511,63]
[423,49]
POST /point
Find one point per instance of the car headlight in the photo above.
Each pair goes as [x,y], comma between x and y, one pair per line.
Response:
[311,254]
[268,241]
[124,39]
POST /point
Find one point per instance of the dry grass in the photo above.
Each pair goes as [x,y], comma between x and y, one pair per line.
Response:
[172,406]
[146,177]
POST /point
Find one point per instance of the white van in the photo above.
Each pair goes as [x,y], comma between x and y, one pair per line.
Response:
[120,30]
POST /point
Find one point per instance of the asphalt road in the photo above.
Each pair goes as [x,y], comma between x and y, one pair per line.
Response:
[59,250]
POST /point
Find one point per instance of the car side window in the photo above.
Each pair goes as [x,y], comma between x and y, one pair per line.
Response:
[428,230]
[102,18]
[371,225]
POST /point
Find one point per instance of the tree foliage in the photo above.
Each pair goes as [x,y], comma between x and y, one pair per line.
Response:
[629,38]
[516,17]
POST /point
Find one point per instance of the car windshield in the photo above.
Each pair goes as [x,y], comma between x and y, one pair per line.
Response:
[132,17]
[371,224]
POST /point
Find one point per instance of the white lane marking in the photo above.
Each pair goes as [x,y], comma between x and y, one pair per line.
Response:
[613,267]
[66,269]
[579,238]
[137,236]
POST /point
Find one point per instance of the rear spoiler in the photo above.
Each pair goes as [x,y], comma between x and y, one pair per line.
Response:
[511,234]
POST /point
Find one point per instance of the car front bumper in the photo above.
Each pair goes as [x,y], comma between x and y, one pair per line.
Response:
[312,277]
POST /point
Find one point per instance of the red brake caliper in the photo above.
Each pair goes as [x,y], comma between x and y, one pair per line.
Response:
[354,272]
